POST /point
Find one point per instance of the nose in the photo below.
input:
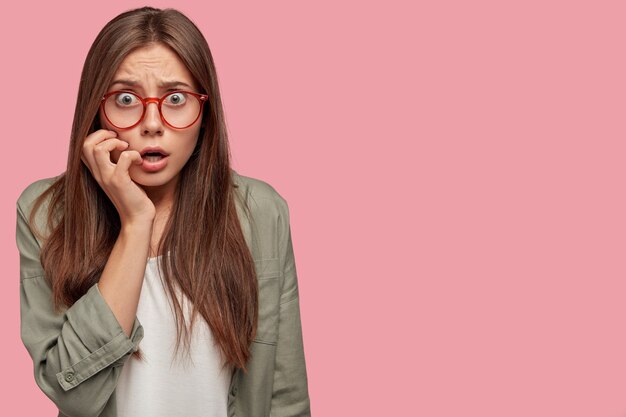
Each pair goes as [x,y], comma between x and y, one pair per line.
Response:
[152,123]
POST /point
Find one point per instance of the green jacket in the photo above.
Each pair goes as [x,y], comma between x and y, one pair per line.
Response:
[78,355]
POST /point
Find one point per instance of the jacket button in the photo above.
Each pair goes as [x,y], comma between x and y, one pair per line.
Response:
[69,376]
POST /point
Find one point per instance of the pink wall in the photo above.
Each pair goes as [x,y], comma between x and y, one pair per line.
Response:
[455,176]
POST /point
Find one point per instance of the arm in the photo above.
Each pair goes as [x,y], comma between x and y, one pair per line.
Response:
[290,393]
[76,354]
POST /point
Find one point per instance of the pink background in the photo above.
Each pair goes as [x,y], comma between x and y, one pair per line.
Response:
[455,177]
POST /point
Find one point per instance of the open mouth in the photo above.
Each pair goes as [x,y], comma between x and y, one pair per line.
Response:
[153,156]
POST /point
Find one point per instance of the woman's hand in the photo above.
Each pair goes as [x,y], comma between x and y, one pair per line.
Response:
[132,203]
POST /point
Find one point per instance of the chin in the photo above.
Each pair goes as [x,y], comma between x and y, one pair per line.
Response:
[154,179]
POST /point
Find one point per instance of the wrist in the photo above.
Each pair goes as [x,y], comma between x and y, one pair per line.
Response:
[137,226]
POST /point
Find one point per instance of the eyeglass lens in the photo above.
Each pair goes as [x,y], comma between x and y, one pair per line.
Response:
[125,109]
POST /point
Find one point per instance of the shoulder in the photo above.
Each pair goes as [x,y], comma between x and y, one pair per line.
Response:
[32,191]
[25,204]
[260,194]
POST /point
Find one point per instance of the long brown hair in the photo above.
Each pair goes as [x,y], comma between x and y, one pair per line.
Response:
[207,255]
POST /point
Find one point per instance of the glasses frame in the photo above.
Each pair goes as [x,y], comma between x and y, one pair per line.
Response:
[159,102]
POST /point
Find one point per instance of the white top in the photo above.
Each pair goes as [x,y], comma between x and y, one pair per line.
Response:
[164,386]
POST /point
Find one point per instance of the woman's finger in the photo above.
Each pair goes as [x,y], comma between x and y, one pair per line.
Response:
[102,154]
[97,137]
[126,159]
[87,150]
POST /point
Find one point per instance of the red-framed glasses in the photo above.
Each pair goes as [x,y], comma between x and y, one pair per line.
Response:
[178,109]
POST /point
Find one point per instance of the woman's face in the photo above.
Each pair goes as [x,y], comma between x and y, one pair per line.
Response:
[146,68]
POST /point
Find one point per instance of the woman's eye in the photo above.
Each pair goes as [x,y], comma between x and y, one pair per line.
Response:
[176,99]
[125,99]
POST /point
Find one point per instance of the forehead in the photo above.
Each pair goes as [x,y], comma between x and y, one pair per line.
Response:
[152,64]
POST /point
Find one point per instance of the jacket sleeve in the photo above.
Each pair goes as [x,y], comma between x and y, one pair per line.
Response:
[77,354]
[290,396]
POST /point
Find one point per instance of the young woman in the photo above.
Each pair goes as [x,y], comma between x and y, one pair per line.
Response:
[150,238]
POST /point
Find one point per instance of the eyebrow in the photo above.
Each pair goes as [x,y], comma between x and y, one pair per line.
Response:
[163,84]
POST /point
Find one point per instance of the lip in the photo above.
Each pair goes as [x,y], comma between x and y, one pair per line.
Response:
[154,166]
[148,166]
[152,149]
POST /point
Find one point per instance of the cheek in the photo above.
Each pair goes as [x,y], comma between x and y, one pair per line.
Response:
[191,146]
[104,124]
[188,144]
